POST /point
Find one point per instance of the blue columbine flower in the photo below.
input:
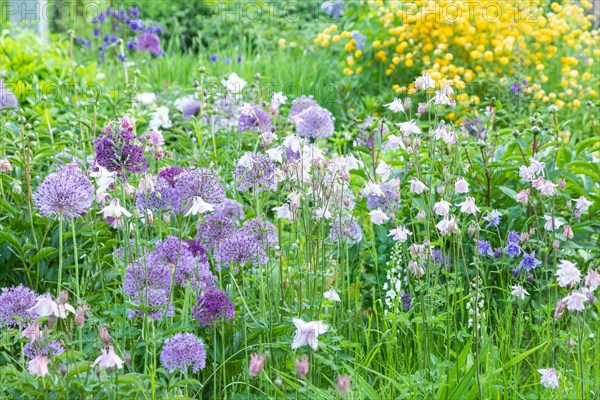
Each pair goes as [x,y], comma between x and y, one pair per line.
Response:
[513,249]
[485,248]
[513,237]
[493,219]
[529,262]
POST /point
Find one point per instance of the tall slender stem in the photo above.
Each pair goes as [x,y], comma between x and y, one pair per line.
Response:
[60,256]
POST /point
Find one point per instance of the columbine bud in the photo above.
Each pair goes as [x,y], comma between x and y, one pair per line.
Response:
[559,310]
[530,278]
[421,109]
[555,244]
[562,184]
[421,215]
[166,218]
[568,231]
[471,230]
[441,189]
[104,336]
[524,237]
[127,359]
[51,321]
[407,103]
[63,370]
[16,187]
[80,314]
[5,165]
[590,298]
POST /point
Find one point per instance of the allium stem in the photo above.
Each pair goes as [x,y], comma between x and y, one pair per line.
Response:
[76,258]
[60,252]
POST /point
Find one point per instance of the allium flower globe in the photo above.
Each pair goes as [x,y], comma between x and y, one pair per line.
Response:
[182,351]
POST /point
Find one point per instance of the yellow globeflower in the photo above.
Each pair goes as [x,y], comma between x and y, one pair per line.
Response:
[358,54]
[281,42]
[346,35]
[359,70]
[504,60]
[540,67]
[348,71]
[488,56]
[336,38]
[350,61]
[544,79]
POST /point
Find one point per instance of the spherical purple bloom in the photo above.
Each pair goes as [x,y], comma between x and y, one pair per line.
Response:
[300,104]
[314,122]
[529,262]
[96,32]
[230,209]
[254,119]
[485,248]
[154,302]
[213,308]
[39,348]
[7,98]
[256,171]
[141,274]
[388,202]
[359,38]
[65,194]
[149,42]
[345,228]
[118,149]
[513,249]
[181,351]
[248,245]
[191,108]
[198,182]
[213,230]
[15,302]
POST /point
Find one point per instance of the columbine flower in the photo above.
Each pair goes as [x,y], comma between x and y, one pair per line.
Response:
[582,204]
[519,292]
[461,186]
[552,224]
[441,208]
[529,262]
[424,82]
[108,359]
[307,333]
[38,366]
[114,210]
[468,206]
[332,295]
[183,350]
[257,363]
[5,165]
[484,248]
[448,225]
[160,119]
[302,366]
[549,378]
[409,127]
[592,280]
[546,188]
[417,187]
[45,306]
[522,196]
[146,99]
[513,249]
[575,301]
[199,207]
[443,96]
[383,170]
[568,274]
[32,332]
[400,234]
[234,83]
[568,231]
[378,217]
[396,106]
[277,99]
[343,384]
[492,218]
[283,212]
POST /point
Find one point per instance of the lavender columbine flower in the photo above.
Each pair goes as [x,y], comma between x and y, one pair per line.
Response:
[213,308]
[66,193]
[513,249]
[118,149]
[529,262]
[345,228]
[257,171]
[183,350]
[513,237]
[485,248]
[492,218]
[254,119]
[315,122]
[15,302]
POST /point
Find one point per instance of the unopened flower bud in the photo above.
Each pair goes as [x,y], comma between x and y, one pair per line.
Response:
[104,336]
[555,244]
[559,310]
[524,237]
[63,298]
[63,370]
[568,231]
[562,184]
[51,321]
[407,103]
[127,359]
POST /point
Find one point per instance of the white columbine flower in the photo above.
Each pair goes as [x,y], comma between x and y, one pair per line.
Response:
[519,292]
[114,210]
[283,212]
[378,217]
[400,234]
[160,118]
[234,84]
[332,295]
[468,206]
[396,106]
[416,186]
[552,224]
[424,82]
[582,204]
[575,301]
[549,378]
[461,186]
[442,208]
[567,274]
[45,306]
[199,207]
[448,225]
[146,99]
[307,333]
[409,127]
[275,154]
[373,189]
[383,170]
[108,359]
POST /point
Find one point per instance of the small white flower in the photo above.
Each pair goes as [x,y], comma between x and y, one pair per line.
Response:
[307,333]
[108,359]
[378,217]
[552,224]
[275,154]
[575,301]
[283,212]
[582,204]
[443,96]
[146,184]
[146,99]
[549,378]
[417,187]
[400,234]
[448,225]
[45,306]
[293,143]
[567,274]
[182,103]
[234,84]
[592,280]
[519,292]
[383,170]
[424,82]
[332,295]
[461,186]
[396,106]
[277,99]
[409,127]
[442,208]
[246,161]
[199,207]
[468,206]
[160,118]
[114,210]
[393,142]
[373,189]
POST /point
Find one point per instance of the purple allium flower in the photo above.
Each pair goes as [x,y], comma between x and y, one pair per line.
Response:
[492,218]
[255,170]
[213,58]
[197,249]
[154,302]
[15,301]
[334,8]
[529,261]
[248,245]
[198,182]
[300,104]
[314,122]
[191,108]
[513,237]
[230,209]
[484,248]
[118,149]
[183,350]
[150,43]
[214,307]
[406,301]
[39,348]
[213,230]
[227,113]
[513,249]
[254,119]
[387,202]
[7,98]
[66,193]
[344,228]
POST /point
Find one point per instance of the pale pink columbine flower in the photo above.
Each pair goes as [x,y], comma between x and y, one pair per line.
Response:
[373,189]
[549,378]
[575,301]
[519,292]
[441,208]
[567,274]
[146,184]
[45,306]
[424,82]
[277,99]
[5,165]
[199,207]
[332,295]
[108,359]
[448,225]
[32,332]
[417,187]
[468,206]
[552,224]
[275,154]
[378,217]
[283,212]
[307,333]
[461,186]
[522,196]
[446,133]
[114,210]
[393,142]
[592,280]
[546,188]
[421,215]
[383,170]
[234,83]
[582,204]
[38,366]
[302,366]
[396,106]
[443,96]
[568,232]
[416,269]
[400,234]
[343,384]
[409,127]
[257,362]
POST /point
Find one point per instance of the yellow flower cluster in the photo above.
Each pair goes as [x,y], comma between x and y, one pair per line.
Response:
[473,40]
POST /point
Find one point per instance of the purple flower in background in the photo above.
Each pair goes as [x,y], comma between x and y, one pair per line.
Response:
[513,237]
[83,42]
[300,104]
[213,308]
[39,348]
[247,245]
[344,228]
[230,209]
[7,98]
[181,351]
[484,248]
[406,301]
[360,39]
[147,42]
[198,182]
[529,261]
[254,119]
[213,58]
[239,59]
[118,149]
[154,302]
[213,230]
[315,122]
[132,45]
[164,197]
[66,193]
[475,128]
[387,202]
[492,218]
[257,171]
[191,108]
[333,8]
[15,302]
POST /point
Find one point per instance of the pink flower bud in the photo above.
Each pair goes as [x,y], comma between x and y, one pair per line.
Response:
[343,384]
[104,336]
[302,367]
[568,231]
[257,363]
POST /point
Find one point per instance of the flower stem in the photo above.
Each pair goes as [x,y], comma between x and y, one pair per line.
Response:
[60,256]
